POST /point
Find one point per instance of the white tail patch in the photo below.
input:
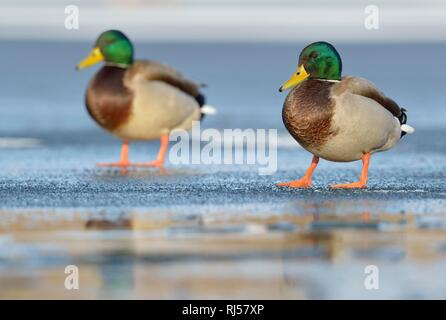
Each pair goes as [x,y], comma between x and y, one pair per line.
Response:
[207,109]
[408,129]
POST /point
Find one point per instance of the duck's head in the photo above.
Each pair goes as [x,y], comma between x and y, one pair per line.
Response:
[319,60]
[113,47]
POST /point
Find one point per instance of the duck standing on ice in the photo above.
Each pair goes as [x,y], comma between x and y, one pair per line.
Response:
[338,118]
[139,100]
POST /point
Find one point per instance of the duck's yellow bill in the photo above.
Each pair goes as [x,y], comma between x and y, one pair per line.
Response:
[298,76]
[94,57]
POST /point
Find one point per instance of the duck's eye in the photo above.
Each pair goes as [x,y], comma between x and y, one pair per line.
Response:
[314,55]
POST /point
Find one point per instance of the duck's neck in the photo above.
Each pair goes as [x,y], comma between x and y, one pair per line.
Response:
[328,80]
[117,65]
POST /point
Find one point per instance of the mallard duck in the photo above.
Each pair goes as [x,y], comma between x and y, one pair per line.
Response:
[138,100]
[338,118]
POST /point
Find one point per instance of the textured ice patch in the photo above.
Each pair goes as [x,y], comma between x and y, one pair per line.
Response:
[13,143]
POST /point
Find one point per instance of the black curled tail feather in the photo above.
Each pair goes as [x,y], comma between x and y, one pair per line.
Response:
[201,99]
[403,120]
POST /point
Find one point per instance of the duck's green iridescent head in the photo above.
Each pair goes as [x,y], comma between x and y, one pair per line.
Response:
[113,47]
[319,60]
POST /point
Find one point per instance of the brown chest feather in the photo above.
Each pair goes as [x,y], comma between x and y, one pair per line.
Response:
[307,113]
[108,101]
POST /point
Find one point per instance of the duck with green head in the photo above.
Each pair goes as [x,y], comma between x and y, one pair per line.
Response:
[138,100]
[338,118]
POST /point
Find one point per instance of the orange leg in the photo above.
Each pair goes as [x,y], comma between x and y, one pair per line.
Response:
[305,181]
[159,162]
[124,162]
[363,179]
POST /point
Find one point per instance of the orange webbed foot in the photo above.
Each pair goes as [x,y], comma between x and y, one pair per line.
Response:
[362,183]
[159,162]
[305,181]
[155,163]
[353,185]
[123,163]
[120,164]
[301,183]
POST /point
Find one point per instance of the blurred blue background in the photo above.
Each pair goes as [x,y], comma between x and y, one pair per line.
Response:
[243,50]
[218,231]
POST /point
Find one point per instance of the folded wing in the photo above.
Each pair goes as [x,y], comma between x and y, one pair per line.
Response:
[152,70]
[367,89]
